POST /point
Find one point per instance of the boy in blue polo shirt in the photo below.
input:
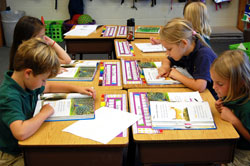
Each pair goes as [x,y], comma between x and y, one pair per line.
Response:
[34,63]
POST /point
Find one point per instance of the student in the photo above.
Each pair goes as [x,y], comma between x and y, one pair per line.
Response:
[187,49]
[231,75]
[34,63]
[28,27]
[196,13]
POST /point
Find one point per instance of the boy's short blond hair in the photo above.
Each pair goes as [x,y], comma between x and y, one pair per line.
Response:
[233,65]
[35,54]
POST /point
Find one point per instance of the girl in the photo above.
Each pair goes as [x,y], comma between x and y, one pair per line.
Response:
[28,27]
[187,49]
[231,75]
[196,13]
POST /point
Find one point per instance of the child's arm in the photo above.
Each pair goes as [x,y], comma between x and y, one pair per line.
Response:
[68,88]
[24,129]
[164,70]
[194,84]
[154,40]
[228,115]
[64,58]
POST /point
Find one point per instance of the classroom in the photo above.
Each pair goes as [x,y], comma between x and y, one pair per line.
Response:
[117,56]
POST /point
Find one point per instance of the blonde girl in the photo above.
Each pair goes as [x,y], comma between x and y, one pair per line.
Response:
[187,49]
[231,75]
[196,13]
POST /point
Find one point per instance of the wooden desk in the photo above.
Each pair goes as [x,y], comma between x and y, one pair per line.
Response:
[137,52]
[145,85]
[94,43]
[188,146]
[51,146]
[95,82]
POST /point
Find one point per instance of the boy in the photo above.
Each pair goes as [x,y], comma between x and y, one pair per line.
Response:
[34,63]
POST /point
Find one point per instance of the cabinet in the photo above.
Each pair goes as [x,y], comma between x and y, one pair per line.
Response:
[241,10]
[2,7]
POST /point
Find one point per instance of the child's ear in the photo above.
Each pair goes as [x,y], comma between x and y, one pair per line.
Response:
[184,42]
[28,73]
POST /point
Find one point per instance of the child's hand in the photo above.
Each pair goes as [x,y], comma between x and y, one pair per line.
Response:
[62,70]
[89,91]
[155,41]
[174,74]
[228,115]
[163,72]
[48,40]
[47,109]
[218,105]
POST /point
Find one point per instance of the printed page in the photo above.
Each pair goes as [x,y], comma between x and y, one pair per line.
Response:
[61,107]
[180,111]
[69,73]
[199,112]
[164,111]
[184,96]
[151,74]
[148,47]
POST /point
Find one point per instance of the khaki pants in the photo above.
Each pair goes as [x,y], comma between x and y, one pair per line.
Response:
[241,158]
[7,159]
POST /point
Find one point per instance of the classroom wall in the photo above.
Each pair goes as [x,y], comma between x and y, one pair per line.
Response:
[112,12]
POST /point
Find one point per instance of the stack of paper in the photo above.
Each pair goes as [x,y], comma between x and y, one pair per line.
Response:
[81,30]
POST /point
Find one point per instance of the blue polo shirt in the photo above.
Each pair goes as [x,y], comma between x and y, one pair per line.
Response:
[15,104]
[198,64]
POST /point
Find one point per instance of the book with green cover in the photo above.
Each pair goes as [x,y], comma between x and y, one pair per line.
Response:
[76,74]
[67,106]
[147,30]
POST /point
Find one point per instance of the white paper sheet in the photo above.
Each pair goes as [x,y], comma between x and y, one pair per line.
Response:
[81,30]
[148,47]
[108,123]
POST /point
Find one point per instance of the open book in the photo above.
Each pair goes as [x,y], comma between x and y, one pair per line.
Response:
[80,63]
[148,30]
[67,106]
[151,74]
[181,115]
[148,47]
[78,71]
